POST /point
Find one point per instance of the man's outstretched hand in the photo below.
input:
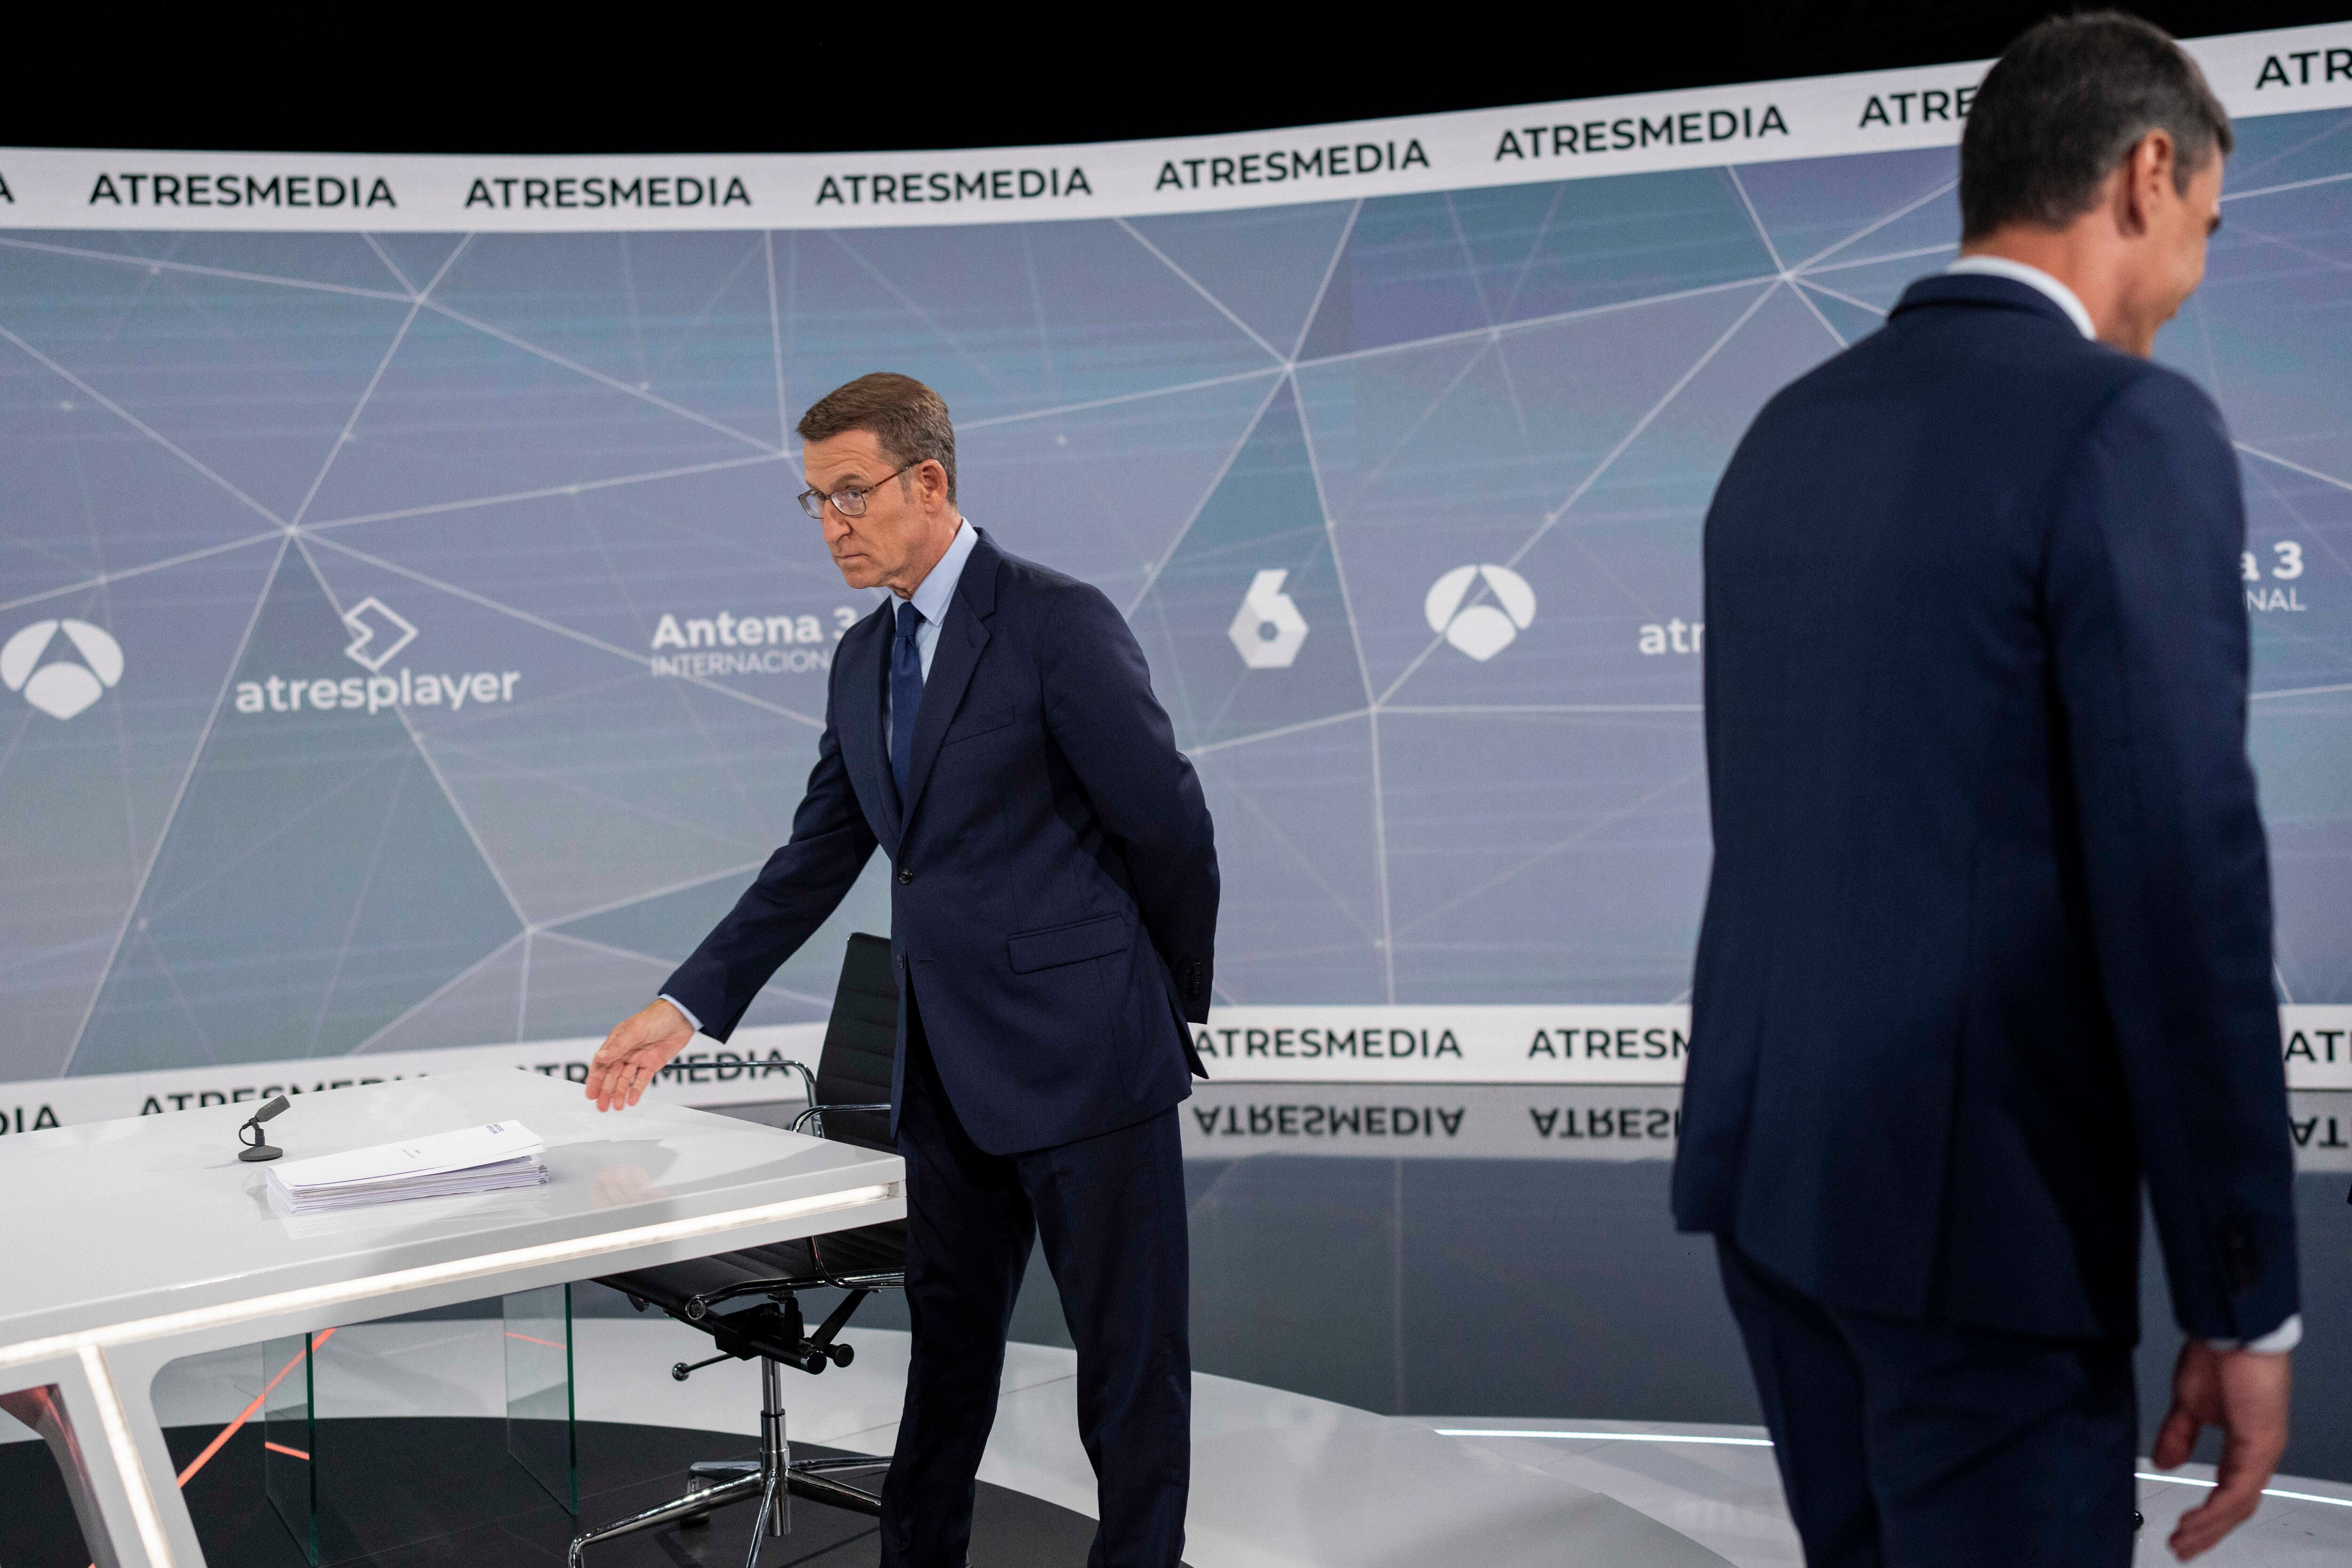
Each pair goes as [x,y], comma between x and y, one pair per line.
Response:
[2244,1392]
[640,1045]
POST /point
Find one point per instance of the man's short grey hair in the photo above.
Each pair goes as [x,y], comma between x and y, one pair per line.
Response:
[2064,104]
[906,419]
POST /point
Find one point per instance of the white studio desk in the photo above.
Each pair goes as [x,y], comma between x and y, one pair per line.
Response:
[130,1244]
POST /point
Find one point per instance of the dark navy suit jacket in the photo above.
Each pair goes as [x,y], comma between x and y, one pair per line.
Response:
[1054,905]
[1988,936]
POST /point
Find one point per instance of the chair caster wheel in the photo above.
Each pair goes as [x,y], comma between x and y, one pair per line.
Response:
[2138,1519]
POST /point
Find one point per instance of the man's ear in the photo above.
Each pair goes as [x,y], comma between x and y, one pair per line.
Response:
[2148,165]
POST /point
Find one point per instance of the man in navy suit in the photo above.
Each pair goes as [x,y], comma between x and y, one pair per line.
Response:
[1988,941]
[1054,907]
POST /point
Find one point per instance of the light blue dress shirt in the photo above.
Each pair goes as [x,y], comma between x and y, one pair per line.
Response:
[931,599]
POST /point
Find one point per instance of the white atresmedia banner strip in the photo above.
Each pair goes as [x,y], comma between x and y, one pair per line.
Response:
[749,1069]
[1341,1044]
[2277,73]
[1569,1043]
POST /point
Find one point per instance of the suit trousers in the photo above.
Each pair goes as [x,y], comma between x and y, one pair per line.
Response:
[1110,1211]
[1906,1445]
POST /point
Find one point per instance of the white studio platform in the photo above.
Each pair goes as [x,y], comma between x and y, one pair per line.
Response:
[157,1245]
[1279,1481]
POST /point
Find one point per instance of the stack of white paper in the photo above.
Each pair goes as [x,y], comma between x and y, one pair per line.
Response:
[472,1160]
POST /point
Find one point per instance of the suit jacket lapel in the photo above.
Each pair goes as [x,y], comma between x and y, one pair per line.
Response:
[859,730]
[962,636]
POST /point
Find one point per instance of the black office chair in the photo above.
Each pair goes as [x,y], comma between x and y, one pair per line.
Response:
[849,1103]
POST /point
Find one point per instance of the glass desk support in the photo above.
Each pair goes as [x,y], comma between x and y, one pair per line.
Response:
[300,1472]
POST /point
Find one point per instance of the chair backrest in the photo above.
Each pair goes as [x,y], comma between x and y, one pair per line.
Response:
[861,1039]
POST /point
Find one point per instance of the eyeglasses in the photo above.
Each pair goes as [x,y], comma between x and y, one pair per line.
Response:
[850,500]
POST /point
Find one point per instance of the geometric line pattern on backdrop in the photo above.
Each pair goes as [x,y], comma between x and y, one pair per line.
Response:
[1415,382]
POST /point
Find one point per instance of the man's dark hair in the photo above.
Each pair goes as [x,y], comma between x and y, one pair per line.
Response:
[2061,107]
[909,420]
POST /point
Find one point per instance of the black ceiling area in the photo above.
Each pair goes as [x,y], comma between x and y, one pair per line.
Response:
[778,80]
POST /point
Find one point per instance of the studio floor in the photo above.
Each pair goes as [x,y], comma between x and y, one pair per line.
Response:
[1280,1480]
[1471,1338]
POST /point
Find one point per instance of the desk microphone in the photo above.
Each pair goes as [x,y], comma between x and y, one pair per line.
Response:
[256,1150]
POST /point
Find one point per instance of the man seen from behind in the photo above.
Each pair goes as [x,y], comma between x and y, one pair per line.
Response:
[1987,950]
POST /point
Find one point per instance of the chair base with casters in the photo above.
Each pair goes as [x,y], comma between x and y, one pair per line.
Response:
[771,1479]
[774,1333]
[851,1086]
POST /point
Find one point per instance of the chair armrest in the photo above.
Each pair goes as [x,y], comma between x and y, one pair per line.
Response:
[808,1081]
[816,1113]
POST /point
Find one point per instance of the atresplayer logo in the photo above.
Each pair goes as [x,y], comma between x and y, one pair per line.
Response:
[364,630]
[1482,631]
[66,685]
[378,632]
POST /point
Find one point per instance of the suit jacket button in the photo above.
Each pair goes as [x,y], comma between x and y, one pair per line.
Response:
[905,876]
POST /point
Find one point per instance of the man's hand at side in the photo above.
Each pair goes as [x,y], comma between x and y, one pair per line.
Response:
[2244,1392]
[640,1045]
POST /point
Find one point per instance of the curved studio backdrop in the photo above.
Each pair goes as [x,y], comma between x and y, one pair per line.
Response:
[409,642]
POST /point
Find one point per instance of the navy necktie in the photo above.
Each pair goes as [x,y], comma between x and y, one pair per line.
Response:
[906,693]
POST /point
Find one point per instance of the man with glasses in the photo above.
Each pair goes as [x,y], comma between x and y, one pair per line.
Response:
[992,727]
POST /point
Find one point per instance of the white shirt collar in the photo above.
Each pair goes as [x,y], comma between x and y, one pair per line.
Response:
[2032,277]
[933,593]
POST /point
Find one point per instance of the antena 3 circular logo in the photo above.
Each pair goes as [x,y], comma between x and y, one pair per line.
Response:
[1481,631]
[65,686]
